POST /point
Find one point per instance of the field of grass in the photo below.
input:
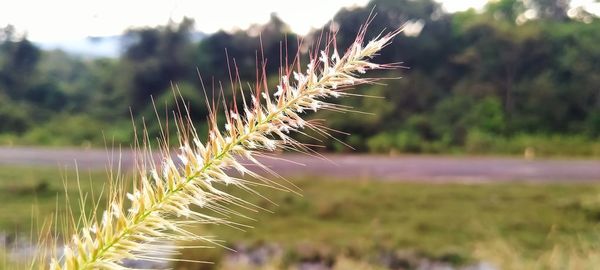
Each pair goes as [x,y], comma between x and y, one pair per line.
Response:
[362,219]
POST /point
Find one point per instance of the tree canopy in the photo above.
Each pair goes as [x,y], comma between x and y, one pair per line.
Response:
[517,68]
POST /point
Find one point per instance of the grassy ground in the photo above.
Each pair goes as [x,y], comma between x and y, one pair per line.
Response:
[442,221]
[29,195]
[364,218]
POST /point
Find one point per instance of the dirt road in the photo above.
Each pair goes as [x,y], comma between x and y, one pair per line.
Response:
[402,168]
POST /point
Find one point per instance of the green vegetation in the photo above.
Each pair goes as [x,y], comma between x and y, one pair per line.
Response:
[492,82]
[478,142]
[29,195]
[444,221]
[363,219]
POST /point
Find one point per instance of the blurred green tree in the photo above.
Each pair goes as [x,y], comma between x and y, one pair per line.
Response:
[155,57]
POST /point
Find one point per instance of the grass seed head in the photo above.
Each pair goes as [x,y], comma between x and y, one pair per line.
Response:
[163,203]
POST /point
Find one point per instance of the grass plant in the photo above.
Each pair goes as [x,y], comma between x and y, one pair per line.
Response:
[185,188]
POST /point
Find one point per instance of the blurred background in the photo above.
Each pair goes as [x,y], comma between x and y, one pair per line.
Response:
[488,143]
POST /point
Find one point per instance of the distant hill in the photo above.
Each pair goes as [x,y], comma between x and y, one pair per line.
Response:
[108,46]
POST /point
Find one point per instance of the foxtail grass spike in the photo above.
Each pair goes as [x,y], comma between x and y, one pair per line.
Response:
[165,200]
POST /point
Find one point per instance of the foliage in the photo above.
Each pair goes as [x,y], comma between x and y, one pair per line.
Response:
[517,68]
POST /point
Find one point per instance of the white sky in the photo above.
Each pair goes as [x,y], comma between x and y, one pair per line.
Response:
[59,20]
